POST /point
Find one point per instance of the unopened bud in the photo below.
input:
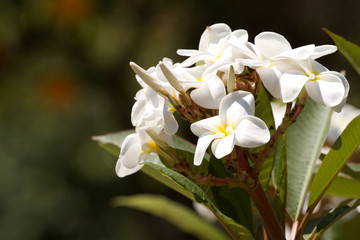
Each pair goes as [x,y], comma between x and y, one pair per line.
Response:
[231,80]
[174,81]
[171,78]
[149,80]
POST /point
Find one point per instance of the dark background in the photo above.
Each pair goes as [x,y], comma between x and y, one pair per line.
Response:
[64,77]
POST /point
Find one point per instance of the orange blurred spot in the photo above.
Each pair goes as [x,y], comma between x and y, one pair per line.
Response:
[58,89]
[72,12]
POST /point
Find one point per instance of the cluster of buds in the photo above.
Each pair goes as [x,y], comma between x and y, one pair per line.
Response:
[215,90]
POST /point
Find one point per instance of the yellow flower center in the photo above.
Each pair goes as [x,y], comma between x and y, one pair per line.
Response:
[226,130]
[313,77]
[150,147]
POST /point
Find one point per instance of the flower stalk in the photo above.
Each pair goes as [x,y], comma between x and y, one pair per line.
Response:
[266,211]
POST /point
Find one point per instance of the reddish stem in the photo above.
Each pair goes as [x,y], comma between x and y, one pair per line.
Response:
[268,216]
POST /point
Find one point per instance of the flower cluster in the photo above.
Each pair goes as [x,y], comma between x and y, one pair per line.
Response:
[215,89]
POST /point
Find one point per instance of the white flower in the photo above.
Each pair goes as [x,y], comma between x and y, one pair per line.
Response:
[270,47]
[136,149]
[214,46]
[340,120]
[326,87]
[272,56]
[151,111]
[235,125]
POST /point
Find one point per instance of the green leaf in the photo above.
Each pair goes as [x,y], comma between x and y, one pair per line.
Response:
[112,142]
[340,152]
[318,225]
[304,140]
[280,179]
[182,217]
[350,50]
[189,157]
[166,180]
[236,230]
[352,170]
[233,202]
[344,187]
[263,110]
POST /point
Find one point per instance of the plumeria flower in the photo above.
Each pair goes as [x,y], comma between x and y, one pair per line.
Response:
[325,87]
[269,47]
[151,104]
[214,46]
[272,55]
[136,149]
[235,125]
[151,111]
[340,120]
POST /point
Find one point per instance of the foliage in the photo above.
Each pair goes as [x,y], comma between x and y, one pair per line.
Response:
[227,180]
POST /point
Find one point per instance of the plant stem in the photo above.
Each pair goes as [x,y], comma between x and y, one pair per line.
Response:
[303,222]
[268,216]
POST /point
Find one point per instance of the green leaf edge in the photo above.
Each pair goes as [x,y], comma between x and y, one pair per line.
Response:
[343,46]
[181,216]
[336,158]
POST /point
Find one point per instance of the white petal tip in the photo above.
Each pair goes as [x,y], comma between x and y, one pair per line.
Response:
[197,162]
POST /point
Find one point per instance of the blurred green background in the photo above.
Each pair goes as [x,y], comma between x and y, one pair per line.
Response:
[64,77]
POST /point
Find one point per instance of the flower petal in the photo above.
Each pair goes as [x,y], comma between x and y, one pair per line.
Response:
[187,52]
[170,124]
[201,56]
[235,105]
[323,50]
[208,124]
[123,171]
[223,146]
[212,35]
[202,144]
[300,53]
[291,84]
[210,94]
[327,89]
[316,67]
[248,49]
[338,107]
[271,44]
[270,77]
[130,151]
[239,35]
[251,132]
